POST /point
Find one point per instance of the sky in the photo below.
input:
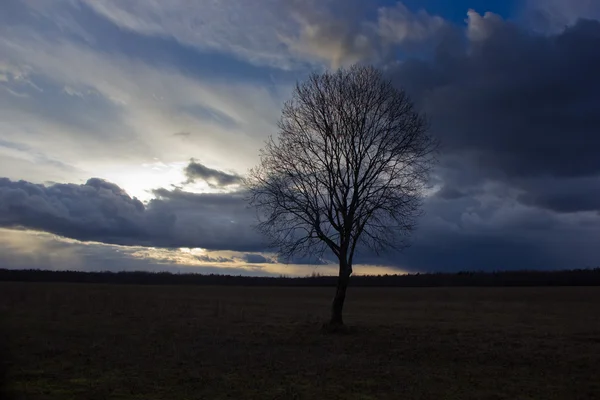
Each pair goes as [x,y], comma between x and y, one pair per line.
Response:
[127,126]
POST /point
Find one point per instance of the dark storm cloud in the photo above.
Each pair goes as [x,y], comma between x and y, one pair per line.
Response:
[101,211]
[213,177]
[563,195]
[519,175]
[516,108]
[521,103]
[491,231]
[449,193]
[494,253]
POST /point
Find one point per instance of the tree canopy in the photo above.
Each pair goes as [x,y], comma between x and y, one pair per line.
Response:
[347,169]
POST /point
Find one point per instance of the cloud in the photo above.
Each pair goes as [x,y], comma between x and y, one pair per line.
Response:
[345,37]
[481,27]
[215,230]
[513,105]
[101,211]
[266,32]
[38,250]
[213,177]
[284,35]
[256,259]
[562,195]
[107,113]
[232,26]
[146,101]
[336,38]
[518,176]
[399,25]
[552,16]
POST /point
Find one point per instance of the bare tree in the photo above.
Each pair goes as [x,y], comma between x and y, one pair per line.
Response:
[347,170]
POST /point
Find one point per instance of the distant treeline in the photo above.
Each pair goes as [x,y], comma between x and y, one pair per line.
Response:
[575,277]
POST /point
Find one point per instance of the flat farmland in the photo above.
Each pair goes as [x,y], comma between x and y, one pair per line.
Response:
[88,341]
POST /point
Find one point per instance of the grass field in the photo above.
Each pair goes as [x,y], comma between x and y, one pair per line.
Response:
[85,341]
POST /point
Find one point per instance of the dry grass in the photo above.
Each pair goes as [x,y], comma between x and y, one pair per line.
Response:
[84,341]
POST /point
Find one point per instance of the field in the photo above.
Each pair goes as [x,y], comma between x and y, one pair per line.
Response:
[87,341]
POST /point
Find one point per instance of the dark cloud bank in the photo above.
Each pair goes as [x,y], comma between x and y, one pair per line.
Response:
[517,186]
[101,211]
[518,115]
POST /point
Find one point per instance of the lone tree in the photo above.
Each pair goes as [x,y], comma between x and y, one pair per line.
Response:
[347,170]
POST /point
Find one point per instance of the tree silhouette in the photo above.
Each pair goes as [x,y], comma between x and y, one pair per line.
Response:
[347,170]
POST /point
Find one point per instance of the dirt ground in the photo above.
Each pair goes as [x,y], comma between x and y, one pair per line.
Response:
[86,341]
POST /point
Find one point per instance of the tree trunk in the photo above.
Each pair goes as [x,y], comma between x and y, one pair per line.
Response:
[340,295]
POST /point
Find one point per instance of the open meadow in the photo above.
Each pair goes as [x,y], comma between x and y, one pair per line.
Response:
[101,341]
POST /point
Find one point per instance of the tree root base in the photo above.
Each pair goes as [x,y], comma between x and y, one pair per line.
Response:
[336,328]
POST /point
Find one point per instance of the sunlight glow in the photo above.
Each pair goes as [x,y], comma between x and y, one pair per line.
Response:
[193,251]
[139,180]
